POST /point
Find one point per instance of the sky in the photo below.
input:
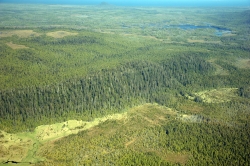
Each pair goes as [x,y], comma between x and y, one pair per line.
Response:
[140,2]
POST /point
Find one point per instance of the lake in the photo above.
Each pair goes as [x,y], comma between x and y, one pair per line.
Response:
[219,31]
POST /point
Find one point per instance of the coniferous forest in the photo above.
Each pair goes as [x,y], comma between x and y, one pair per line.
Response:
[94,85]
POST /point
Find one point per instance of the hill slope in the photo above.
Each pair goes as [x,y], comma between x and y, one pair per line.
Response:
[151,134]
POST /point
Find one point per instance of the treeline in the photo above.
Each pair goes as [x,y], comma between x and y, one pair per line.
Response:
[100,93]
[67,41]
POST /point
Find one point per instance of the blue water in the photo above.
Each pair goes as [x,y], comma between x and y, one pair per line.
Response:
[219,30]
[189,27]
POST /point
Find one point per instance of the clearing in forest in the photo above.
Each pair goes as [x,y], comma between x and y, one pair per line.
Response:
[243,63]
[16,46]
[19,33]
[22,147]
[50,132]
[219,70]
[195,41]
[202,41]
[177,158]
[14,147]
[61,34]
[217,95]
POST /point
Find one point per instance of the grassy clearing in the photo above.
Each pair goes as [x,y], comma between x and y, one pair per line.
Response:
[14,147]
[16,46]
[177,158]
[217,95]
[202,41]
[46,133]
[192,107]
[243,63]
[219,70]
[60,34]
[190,118]
[19,33]
[152,114]
[22,147]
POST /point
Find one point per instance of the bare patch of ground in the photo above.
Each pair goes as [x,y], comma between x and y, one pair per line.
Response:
[60,34]
[19,33]
[16,46]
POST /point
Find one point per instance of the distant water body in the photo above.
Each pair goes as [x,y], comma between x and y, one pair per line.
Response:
[163,3]
[219,30]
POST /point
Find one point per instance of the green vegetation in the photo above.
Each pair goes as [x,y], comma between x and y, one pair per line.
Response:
[23,147]
[182,95]
[105,92]
[152,135]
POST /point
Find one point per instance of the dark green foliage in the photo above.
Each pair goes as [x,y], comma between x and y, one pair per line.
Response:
[244,92]
[109,90]
[198,99]
[67,41]
[1,135]
[186,69]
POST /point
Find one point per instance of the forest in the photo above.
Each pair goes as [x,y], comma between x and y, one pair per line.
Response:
[177,78]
